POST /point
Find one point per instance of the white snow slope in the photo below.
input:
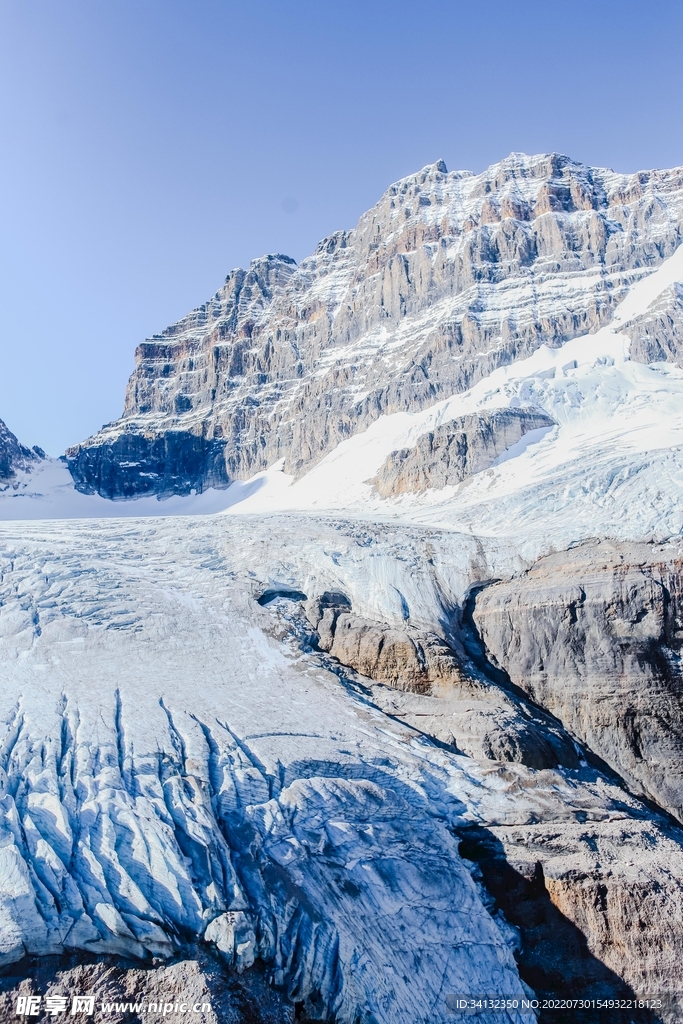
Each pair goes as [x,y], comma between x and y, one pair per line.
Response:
[173,764]
[612,467]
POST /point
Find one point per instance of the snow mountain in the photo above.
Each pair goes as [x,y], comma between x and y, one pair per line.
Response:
[15,458]
[449,277]
[367,700]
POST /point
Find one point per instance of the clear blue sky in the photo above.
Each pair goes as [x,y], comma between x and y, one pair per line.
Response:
[150,146]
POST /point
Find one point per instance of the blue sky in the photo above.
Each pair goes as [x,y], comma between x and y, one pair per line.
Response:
[150,146]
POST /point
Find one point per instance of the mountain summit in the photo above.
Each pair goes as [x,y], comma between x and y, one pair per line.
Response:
[14,456]
[448,277]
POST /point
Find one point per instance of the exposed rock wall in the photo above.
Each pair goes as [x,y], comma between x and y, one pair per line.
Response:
[406,658]
[456,450]
[15,456]
[139,463]
[657,336]
[599,906]
[594,636]
[597,903]
[441,691]
[448,277]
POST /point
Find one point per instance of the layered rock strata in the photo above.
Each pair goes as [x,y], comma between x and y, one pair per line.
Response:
[657,335]
[442,693]
[599,906]
[594,635]
[448,277]
[456,450]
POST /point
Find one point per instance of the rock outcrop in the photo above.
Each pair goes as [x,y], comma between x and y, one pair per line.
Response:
[147,993]
[599,907]
[448,277]
[657,335]
[442,694]
[406,658]
[177,462]
[456,450]
[594,635]
[15,456]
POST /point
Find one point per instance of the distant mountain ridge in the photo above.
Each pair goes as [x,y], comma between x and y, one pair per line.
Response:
[448,277]
[15,456]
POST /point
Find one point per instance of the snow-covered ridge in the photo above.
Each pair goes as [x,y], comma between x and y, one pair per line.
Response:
[618,441]
[447,278]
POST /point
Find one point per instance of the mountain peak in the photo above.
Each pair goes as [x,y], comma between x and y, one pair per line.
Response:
[15,456]
[446,278]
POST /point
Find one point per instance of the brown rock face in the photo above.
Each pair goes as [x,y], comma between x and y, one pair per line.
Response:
[448,277]
[405,658]
[599,907]
[594,636]
[441,693]
[456,450]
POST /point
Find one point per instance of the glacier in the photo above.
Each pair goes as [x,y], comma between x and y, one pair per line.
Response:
[182,763]
[171,770]
[177,766]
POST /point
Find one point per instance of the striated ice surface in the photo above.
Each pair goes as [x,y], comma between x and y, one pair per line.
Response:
[175,767]
[171,771]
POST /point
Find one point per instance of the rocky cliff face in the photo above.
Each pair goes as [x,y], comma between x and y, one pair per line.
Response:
[597,904]
[594,636]
[442,692]
[456,450]
[449,276]
[15,456]
[591,901]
